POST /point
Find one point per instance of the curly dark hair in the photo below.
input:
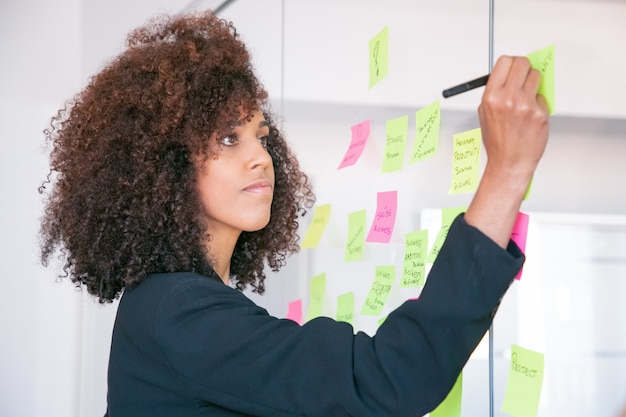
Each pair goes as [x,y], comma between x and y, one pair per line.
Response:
[123,202]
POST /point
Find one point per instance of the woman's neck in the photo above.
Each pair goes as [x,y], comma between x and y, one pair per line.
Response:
[220,248]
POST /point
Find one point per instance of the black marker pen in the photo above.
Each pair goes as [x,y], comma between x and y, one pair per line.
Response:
[470,85]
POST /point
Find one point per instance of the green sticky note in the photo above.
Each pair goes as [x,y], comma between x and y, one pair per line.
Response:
[523,388]
[543,61]
[317,226]
[447,217]
[345,308]
[377,296]
[414,267]
[527,193]
[378,56]
[317,289]
[356,236]
[427,123]
[397,132]
[466,161]
[451,406]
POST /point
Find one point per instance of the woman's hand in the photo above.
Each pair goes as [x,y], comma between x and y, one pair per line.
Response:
[514,124]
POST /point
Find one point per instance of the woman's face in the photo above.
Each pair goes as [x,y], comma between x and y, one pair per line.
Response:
[236,186]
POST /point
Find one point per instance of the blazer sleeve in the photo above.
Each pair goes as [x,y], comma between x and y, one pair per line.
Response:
[231,353]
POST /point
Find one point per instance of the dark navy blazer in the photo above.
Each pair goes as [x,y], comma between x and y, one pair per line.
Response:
[188,345]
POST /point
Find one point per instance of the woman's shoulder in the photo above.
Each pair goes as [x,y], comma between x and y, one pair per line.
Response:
[168,290]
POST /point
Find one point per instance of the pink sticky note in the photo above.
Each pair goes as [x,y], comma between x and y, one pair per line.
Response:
[360,133]
[520,231]
[385,217]
[294,311]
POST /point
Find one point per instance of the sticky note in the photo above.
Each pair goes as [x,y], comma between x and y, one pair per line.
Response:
[345,308]
[523,389]
[543,61]
[466,161]
[356,236]
[377,296]
[395,144]
[360,134]
[414,266]
[294,311]
[427,123]
[378,56]
[384,218]
[317,289]
[447,217]
[451,405]
[317,226]
[519,233]
[527,193]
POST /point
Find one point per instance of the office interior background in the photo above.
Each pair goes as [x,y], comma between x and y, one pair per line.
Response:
[312,58]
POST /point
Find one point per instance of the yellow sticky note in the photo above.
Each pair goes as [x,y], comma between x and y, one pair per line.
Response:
[397,132]
[543,61]
[466,161]
[317,289]
[356,236]
[447,217]
[414,267]
[523,388]
[451,406]
[427,123]
[378,56]
[345,308]
[317,226]
[377,296]
[528,189]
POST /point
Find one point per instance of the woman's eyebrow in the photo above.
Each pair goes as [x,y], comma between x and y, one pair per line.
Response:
[262,123]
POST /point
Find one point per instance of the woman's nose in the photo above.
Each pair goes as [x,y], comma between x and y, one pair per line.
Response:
[259,156]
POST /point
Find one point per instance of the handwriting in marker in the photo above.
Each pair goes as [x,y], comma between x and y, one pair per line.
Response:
[384,218]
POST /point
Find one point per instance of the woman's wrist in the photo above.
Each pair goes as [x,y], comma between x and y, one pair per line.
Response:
[497,201]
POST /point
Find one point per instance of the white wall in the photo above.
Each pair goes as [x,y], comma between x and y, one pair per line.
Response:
[49,48]
[47,51]
[38,319]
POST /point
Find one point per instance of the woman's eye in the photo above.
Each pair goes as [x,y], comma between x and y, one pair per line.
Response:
[229,140]
[264,140]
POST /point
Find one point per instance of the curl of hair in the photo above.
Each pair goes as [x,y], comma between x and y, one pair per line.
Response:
[123,203]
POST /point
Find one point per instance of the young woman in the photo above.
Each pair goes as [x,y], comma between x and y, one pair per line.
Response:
[170,182]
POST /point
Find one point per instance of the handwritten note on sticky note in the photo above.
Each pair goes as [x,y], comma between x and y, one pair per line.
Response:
[543,61]
[427,123]
[520,231]
[356,236]
[377,296]
[523,389]
[317,226]
[384,218]
[378,56]
[447,217]
[466,161]
[451,405]
[360,134]
[294,311]
[345,308]
[397,132]
[317,289]
[414,267]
